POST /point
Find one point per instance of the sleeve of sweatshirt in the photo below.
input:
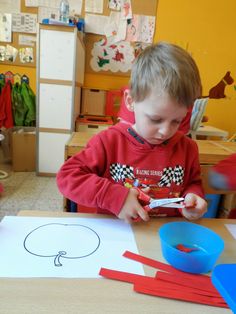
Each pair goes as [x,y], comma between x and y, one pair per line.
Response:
[81,180]
[194,183]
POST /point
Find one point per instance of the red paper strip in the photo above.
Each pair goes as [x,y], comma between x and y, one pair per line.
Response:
[120,275]
[165,267]
[165,285]
[185,249]
[193,283]
[171,283]
[178,295]
[162,288]
[150,262]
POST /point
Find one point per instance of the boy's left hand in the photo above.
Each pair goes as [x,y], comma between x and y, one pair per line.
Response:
[195,206]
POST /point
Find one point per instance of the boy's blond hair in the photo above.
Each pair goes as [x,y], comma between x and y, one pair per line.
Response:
[166,68]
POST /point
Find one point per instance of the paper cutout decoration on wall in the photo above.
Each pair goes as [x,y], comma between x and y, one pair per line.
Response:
[111,57]
[218,91]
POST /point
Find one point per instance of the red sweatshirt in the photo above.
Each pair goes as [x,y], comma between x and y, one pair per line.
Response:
[116,159]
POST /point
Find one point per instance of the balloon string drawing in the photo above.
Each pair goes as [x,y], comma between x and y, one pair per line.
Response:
[75,241]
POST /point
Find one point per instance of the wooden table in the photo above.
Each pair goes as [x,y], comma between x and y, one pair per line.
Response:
[76,143]
[73,296]
[210,152]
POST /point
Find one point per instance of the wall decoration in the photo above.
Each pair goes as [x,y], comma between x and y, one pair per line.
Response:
[114,4]
[94,6]
[111,57]
[24,22]
[141,29]
[115,33]
[5,27]
[218,91]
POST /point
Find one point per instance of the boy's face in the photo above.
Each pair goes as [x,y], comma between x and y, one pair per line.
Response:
[157,117]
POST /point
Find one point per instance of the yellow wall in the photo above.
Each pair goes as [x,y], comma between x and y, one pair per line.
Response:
[207,28]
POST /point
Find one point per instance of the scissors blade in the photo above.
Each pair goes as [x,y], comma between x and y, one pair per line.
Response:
[165,202]
[174,205]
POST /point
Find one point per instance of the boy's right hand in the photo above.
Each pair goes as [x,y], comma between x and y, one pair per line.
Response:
[132,209]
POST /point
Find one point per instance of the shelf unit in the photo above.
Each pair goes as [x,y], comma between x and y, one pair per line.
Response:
[60,76]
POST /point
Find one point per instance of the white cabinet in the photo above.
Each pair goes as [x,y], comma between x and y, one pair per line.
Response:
[60,76]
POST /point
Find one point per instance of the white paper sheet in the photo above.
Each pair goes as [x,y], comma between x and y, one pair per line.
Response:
[115,27]
[48,13]
[76,7]
[114,4]
[31,3]
[5,27]
[126,9]
[24,22]
[26,40]
[232,229]
[94,6]
[95,23]
[141,29]
[43,3]
[64,247]
[9,6]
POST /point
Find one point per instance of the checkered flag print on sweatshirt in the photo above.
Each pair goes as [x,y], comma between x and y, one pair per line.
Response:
[170,174]
[121,172]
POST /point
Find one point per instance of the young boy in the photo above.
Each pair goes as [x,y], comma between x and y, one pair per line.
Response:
[150,154]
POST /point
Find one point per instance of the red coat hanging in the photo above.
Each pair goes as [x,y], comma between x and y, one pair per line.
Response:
[6,119]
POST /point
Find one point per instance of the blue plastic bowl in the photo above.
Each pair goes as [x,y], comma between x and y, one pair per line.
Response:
[207,244]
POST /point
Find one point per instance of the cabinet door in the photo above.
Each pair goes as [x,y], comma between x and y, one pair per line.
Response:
[56,55]
[55,106]
[51,151]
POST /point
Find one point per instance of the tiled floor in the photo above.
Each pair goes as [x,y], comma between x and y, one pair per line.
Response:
[26,191]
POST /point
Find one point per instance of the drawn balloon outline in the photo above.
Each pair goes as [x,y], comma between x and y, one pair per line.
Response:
[91,238]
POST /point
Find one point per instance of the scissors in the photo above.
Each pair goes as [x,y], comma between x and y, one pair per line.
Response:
[149,203]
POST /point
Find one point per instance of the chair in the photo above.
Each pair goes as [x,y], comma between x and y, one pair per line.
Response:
[197,113]
[196,129]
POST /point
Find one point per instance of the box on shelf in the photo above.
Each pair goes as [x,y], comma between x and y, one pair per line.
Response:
[93,101]
[92,123]
[24,149]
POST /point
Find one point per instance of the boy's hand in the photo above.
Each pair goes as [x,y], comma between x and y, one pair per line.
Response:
[132,209]
[195,206]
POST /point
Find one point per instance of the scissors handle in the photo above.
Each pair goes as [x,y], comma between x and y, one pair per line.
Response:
[143,197]
[149,203]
